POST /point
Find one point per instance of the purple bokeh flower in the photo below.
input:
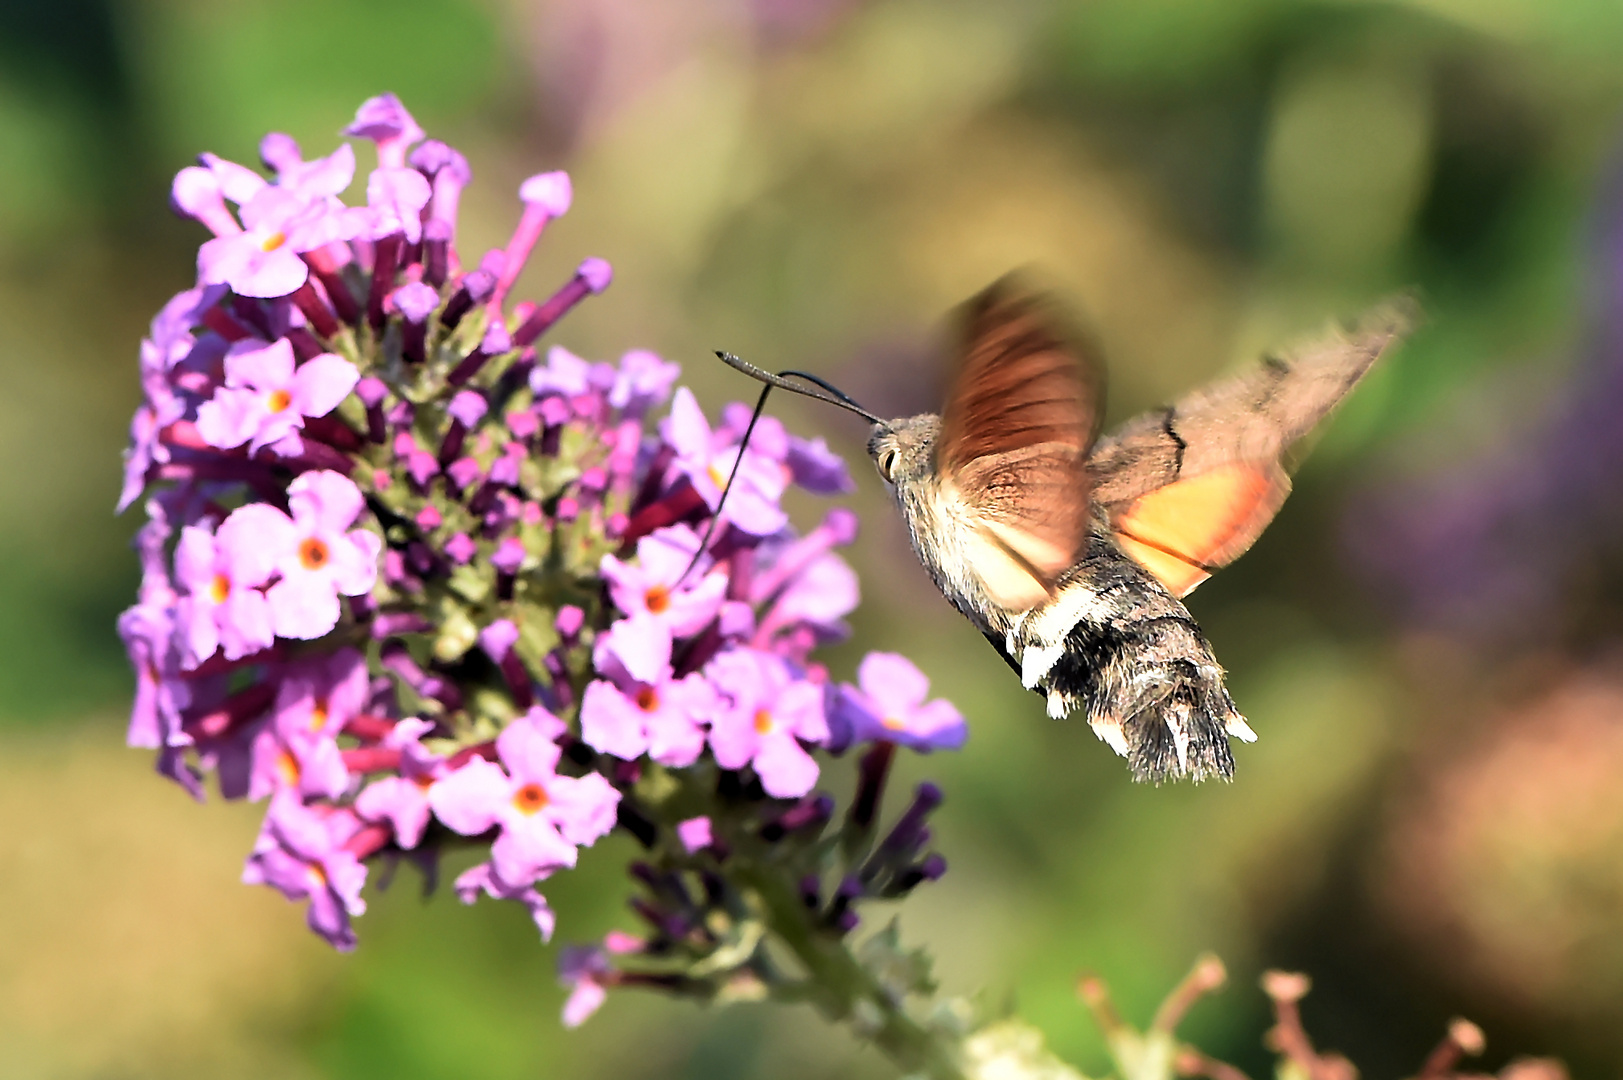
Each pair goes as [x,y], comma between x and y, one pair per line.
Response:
[583,970]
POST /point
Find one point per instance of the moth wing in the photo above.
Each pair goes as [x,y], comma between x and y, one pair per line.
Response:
[1022,412]
[1188,488]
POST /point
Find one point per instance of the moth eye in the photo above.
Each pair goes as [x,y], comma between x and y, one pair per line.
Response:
[887,464]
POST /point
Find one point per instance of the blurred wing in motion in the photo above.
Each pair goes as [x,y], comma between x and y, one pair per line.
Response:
[1189,487]
[1021,414]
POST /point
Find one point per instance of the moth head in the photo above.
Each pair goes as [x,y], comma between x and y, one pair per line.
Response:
[904,450]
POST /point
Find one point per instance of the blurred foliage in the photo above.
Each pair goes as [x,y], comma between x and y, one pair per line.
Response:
[813,183]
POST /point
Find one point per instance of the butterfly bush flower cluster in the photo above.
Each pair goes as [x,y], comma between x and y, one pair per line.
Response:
[426,583]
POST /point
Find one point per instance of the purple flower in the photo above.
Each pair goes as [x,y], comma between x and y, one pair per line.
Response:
[395,198]
[483,878]
[643,381]
[324,178]
[402,800]
[543,816]
[278,224]
[385,121]
[765,712]
[317,558]
[583,971]
[890,707]
[659,716]
[300,852]
[707,458]
[820,596]
[567,375]
[315,699]
[811,464]
[266,398]
[818,469]
[654,584]
[223,607]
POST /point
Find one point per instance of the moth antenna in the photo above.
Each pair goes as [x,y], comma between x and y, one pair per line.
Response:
[833,397]
[743,444]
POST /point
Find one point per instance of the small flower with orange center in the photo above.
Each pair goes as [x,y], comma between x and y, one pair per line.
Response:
[224,608]
[543,817]
[317,554]
[265,398]
[889,705]
[654,584]
[768,710]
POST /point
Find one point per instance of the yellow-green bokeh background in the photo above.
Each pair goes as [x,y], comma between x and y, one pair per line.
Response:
[813,183]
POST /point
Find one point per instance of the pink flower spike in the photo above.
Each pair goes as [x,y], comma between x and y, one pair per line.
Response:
[196,194]
[546,196]
[385,121]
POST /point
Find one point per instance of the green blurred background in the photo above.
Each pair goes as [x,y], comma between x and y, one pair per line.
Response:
[1431,823]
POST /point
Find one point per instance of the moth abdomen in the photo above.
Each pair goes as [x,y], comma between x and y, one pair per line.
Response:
[1116,645]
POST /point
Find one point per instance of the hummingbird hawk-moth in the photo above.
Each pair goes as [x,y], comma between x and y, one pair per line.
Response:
[1070,552]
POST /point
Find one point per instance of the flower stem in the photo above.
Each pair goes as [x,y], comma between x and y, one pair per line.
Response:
[844,990]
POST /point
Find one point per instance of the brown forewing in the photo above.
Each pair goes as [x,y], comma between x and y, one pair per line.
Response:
[1021,413]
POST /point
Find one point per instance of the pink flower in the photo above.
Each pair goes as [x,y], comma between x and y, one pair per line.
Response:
[298,750]
[484,879]
[543,816]
[278,224]
[317,558]
[660,716]
[395,198]
[766,711]
[890,706]
[706,458]
[223,606]
[300,852]
[266,398]
[654,585]
[402,800]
